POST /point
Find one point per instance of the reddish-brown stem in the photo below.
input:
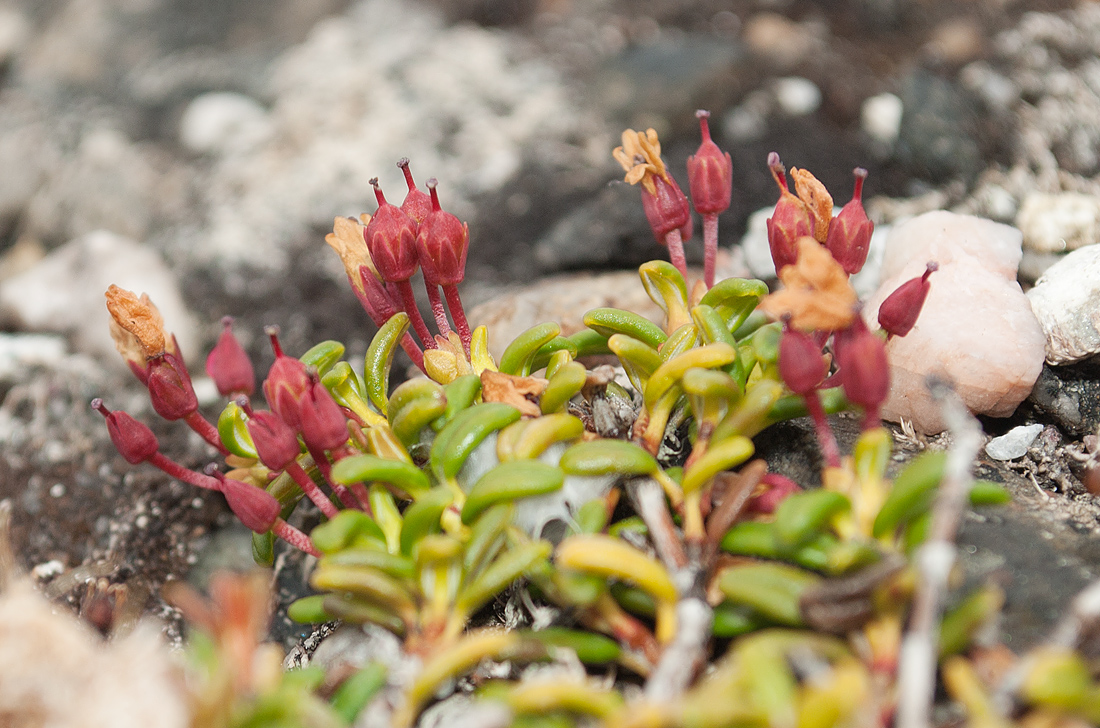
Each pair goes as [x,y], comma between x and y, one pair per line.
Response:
[440,314]
[207,431]
[177,471]
[454,303]
[322,463]
[408,303]
[294,537]
[360,492]
[311,489]
[675,245]
[825,437]
[710,246]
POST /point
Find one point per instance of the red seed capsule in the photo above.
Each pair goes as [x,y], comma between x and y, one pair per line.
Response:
[442,242]
[229,366]
[133,439]
[254,507]
[862,366]
[666,209]
[849,237]
[286,383]
[416,205]
[801,365]
[324,426]
[898,313]
[391,240]
[790,221]
[276,444]
[170,388]
[710,173]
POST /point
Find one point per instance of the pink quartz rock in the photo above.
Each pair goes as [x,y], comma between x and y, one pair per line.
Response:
[976,328]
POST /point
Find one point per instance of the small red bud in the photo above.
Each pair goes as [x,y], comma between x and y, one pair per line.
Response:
[417,205]
[898,313]
[391,240]
[275,441]
[254,507]
[441,244]
[710,173]
[228,364]
[849,237]
[667,209]
[323,424]
[778,488]
[170,388]
[790,221]
[861,366]
[800,362]
[133,439]
[286,383]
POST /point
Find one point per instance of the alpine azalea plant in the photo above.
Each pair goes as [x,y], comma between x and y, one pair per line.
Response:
[618,511]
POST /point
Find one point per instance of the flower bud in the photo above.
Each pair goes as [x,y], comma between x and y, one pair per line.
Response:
[391,240]
[790,221]
[276,444]
[417,205]
[170,388]
[323,424]
[133,439]
[254,507]
[666,209]
[800,362]
[286,383]
[849,236]
[898,313]
[442,241]
[778,488]
[229,366]
[710,173]
[861,365]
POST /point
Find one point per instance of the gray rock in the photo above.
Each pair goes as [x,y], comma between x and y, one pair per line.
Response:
[937,129]
[1070,396]
[1066,300]
[1014,443]
[223,123]
[63,293]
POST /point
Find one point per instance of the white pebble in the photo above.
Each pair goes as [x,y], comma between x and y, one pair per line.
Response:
[18,352]
[1059,222]
[1066,300]
[1014,443]
[880,117]
[221,122]
[797,96]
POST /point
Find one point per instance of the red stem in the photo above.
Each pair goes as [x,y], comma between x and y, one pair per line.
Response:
[207,431]
[825,437]
[322,463]
[177,471]
[294,537]
[408,303]
[437,308]
[675,245]
[710,246]
[311,489]
[454,303]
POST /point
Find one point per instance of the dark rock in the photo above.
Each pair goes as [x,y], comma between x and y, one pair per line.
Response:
[937,128]
[1070,396]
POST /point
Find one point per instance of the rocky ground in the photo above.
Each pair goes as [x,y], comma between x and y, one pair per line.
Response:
[215,140]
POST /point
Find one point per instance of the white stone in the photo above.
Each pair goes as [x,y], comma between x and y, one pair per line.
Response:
[222,123]
[1053,223]
[1066,300]
[57,672]
[797,96]
[947,237]
[880,117]
[63,293]
[21,351]
[976,328]
[1014,443]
